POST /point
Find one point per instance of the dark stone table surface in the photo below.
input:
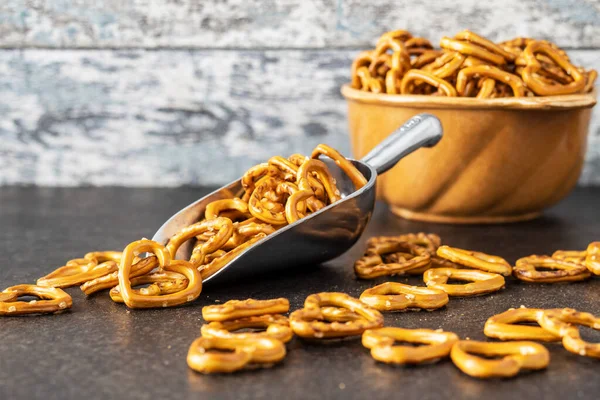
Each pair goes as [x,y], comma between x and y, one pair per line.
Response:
[101,350]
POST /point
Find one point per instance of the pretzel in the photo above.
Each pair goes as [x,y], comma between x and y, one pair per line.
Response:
[263,351]
[425,58]
[515,356]
[52,300]
[562,271]
[446,65]
[563,323]
[217,207]
[417,45]
[399,34]
[437,345]
[393,296]
[485,43]
[309,322]
[372,266]
[135,300]
[590,79]
[399,50]
[413,75]
[482,282]
[475,259]
[345,165]
[252,175]
[236,309]
[223,226]
[363,60]
[258,209]
[472,49]
[487,86]
[513,81]
[504,326]
[592,259]
[160,283]
[142,267]
[573,256]
[337,314]
[533,66]
[295,201]
[297,159]
[276,327]
[368,82]
[218,263]
[93,265]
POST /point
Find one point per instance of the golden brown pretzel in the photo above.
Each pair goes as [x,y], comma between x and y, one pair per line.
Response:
[562,271]
[487,86]
[475,259]
[142,267]
[51,300]
[363,60]
[485,43]
[262,351]
[217,207]
[533,66]
[367,81]
[309,322]
[504,326]
[515,356]
[218,263]
[417,75]
[320,170]
[437,345]
[592,258]
[371,265]
[93,265]
[223,228]
[425,58]
[446,65]
[251,177]
[482,282]
[357,178]
[159,283]
[590,78]
[236,309]
[275,326]
[260,210]
[563,323]
[135,300]
[465,74]
[574,256]
[472,49]
[394,296]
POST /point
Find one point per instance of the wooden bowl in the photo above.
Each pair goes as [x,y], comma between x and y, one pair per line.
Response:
[500,160]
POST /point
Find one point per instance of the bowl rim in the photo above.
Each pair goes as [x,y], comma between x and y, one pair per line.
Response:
[563,102]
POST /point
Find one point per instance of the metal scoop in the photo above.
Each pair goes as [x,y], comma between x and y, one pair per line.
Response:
[325,234]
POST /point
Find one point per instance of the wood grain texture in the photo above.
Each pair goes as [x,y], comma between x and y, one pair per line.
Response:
[291,23]
[166,118]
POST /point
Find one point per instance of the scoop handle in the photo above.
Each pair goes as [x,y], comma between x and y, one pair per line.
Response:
[422,130]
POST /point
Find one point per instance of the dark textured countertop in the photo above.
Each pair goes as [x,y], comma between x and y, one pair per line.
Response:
[101,350]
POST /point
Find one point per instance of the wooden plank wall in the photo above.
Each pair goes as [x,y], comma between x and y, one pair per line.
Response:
[171,92]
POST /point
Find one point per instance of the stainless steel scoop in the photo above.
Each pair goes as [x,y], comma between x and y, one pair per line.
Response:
[325,234]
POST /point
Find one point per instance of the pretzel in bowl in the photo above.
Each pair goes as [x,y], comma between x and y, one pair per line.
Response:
[310,322]
[394,296]
[51,300]
[526,269]
[563,323]
[504,326]
[515,356]
[436,345]
[481,282]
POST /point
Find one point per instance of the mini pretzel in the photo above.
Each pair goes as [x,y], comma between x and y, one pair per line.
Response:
[429,241]
[425,58]
[371,265]
[400,35]
[472,49]
[398,48]
[276,327]
[485,43]
[217,207]
[446,65]
[574,256]
[487,86]
[291,170]
[564,323]
[363,60]
[161,283]
[590,79]
[218,263]
[223,226]
[51,300]
[437,345]
[252,175]
[258,210]
[294,202]
[592,259]
[393,296]
[515,356]
[93,265]
[345,165]
[533,66]
[483,282]
[235,309]
[413,75]
[563,271]
[142,267]
[135,300]
[476,259]
[504,326]
[263,351]
[319,168]
[515,83]
[309,322]
[368,82]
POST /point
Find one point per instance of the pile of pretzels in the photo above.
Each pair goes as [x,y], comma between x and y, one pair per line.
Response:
[468,65]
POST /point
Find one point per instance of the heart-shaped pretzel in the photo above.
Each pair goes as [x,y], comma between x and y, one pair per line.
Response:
[142,267]
[482,282]
[160,283]
[515,356]
[475,259]
[563,323]
[504,326]
[51,300]
[562,271]
[93,265]
[236,309]
[260,208]
[437,345]
[136,300]
[275,326]
[394,296]
[371,265]
[309,322]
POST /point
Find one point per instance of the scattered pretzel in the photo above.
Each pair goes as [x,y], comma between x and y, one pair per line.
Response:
[309,322]
[504,326]
[592,258]
[160,283]
[93,265]
[515,356]
[563,323]
[482,282]
[52,300]
[142,267]
[276,327]
[371,265]
[235,309]
[562,271]
[393,296]
[475,259]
